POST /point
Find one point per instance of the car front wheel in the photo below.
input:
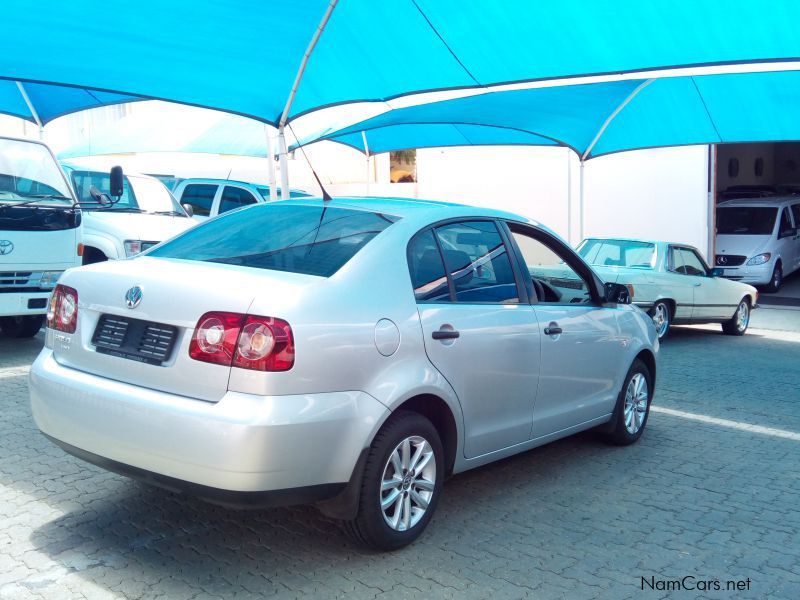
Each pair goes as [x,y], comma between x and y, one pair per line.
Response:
[402,483]
[661,315]
[633,405]
[738,323]
[776,281]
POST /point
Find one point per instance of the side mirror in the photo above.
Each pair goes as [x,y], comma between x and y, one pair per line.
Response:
[188,208]
[116,182]
[617,293]
[715,272]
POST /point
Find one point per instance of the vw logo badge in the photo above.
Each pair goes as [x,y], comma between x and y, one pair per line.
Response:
[6,247]
[133,297]
[722,260]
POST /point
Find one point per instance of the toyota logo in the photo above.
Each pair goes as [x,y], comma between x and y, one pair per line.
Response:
[133,297]
[6,247]
[722,260]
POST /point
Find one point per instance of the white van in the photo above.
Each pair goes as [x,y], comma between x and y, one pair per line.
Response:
[146,214]
[210,197]
[758,240]
[40,233]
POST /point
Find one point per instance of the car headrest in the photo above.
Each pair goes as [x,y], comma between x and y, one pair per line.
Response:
[456,260]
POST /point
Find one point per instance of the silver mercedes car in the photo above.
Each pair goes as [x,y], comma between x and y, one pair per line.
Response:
[351,353]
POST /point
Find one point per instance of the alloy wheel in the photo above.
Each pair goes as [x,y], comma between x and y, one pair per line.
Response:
[742,316]
[661,319]
[636,397]
[408,482]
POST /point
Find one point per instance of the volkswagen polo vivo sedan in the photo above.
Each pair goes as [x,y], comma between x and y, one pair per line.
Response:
[351,353]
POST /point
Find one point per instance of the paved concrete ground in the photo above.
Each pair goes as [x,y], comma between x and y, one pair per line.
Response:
[711,491]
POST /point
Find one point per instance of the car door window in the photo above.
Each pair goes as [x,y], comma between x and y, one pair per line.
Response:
[200,196]
[554,280]
[427,269]
[676,261]
[692,265]
[786,223]
[477,262]
[234,197]
[796,214]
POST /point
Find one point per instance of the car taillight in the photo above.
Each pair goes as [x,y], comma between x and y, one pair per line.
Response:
[244,341]
[62,314]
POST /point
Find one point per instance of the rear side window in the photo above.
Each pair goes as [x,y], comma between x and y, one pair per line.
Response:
[308,239]
[234,197]
[200,196]
[477,262]
[427,269]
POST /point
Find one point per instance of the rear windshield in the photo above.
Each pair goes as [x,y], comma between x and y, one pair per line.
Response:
[312,240]
[746,220]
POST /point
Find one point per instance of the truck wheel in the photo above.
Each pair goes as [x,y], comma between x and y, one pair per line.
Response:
[22,327]
[401,485]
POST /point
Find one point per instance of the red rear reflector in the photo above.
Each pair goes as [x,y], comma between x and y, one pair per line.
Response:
[244,341]
[62,313]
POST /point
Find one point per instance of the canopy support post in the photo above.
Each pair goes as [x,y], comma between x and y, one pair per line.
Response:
[580,205]
[366,151]
[569,196]
[29,104]
[273,188]
[285,114]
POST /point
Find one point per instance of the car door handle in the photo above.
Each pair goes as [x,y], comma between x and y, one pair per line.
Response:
[698,284]
[445,334]
[553,329]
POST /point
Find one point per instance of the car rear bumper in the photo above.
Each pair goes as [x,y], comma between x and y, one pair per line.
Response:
[242,450]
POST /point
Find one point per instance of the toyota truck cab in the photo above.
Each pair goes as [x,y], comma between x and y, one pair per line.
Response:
[40,233]
[145,214]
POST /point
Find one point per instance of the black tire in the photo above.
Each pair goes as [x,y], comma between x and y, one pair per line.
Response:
[776,281]
[666,314]
[370,528]
[735,326]
[22,327]
[618,431]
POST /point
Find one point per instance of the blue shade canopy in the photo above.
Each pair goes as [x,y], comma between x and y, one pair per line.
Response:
[52,101]
[597,118]
[242,56]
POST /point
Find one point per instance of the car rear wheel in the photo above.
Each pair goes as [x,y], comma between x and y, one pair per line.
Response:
[401,485]
[738,323]
[661,315]
[776,281]
[22,327]
[633,405]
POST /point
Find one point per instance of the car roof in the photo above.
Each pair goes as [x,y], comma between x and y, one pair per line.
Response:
[774,201]
[192,180]
[413,208]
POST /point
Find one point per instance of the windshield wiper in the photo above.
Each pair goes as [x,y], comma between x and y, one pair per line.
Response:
[129,209]
[35,199]
[171,213]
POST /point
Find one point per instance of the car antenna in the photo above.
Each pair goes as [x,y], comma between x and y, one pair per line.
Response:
[326,197]
[228,178]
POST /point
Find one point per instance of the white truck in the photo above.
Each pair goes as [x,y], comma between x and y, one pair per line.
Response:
[144,214]
[40,233]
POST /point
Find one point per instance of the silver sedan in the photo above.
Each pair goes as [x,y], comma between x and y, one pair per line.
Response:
[351,353]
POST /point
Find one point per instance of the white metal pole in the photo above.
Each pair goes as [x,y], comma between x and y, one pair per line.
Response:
[284,164]
[285,115]
[569,196]
[29,104]
[366,151]
[273,188]
[580,207]
[711,217]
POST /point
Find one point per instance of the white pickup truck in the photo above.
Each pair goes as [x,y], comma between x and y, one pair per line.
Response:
[145,214]
[40,233]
